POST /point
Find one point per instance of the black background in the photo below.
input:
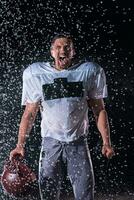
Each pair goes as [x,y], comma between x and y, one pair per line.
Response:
[103,32]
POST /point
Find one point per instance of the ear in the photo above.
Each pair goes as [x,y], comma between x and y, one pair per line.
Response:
[51,52]
[73,52]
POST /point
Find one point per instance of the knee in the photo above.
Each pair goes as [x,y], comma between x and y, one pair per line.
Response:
[85,194]
[48,188]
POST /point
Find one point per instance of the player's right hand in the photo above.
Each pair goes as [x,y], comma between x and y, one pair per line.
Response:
[18,151]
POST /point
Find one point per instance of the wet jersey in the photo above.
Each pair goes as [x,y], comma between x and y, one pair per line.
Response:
[63,96]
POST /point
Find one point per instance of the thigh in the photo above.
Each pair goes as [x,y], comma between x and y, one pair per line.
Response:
[80,171]
[50,171]
[50,159]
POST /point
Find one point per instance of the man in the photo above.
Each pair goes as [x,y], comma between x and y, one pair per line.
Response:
[63,91]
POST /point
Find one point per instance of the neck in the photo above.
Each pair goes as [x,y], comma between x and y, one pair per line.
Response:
[56,66]
[59,68]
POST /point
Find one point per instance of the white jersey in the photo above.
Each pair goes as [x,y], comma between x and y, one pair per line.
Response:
[63,96]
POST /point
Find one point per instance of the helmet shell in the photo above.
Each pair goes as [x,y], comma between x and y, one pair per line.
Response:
[17,178]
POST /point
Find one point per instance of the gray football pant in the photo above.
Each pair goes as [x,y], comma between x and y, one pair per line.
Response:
[76,155]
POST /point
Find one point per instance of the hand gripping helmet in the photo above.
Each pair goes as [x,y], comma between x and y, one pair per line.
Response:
[17,178]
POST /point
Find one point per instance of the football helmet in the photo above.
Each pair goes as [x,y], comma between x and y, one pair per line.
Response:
[17,178]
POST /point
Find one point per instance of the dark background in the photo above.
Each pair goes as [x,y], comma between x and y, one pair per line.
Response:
[103,31]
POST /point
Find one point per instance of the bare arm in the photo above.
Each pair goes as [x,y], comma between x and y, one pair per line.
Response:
[26,123]
[100,114]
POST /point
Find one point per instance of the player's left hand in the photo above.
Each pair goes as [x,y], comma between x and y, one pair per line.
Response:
[108,151]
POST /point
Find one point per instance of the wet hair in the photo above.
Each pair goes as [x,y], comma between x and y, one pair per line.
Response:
[61,35]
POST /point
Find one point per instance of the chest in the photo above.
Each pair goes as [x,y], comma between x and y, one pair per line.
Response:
[63,85]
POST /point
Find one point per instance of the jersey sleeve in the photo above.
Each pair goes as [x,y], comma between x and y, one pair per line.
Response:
[31,92]
[98,87]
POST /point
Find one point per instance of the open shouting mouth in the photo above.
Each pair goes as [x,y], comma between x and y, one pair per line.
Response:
[63,60]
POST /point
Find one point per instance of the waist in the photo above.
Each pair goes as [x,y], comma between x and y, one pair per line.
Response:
[77,141]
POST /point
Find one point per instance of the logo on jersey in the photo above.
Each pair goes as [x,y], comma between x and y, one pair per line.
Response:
[61,88]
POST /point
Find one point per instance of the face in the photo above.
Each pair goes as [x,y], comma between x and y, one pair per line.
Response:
[62,50]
